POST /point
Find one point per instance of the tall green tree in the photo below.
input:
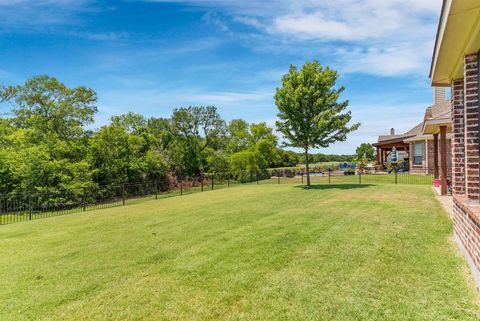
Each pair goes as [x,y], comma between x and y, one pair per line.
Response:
[253,147]
[44,140]
[49,107]
[238,136]
[195,129]
[310,113]
[132,122]
[365,151]
[117,156]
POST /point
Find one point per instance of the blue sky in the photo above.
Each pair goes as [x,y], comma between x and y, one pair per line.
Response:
[152,56]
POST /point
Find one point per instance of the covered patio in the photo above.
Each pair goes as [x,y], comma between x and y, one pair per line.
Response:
[385,147]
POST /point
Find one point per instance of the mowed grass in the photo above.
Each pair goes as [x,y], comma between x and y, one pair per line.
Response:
[253,252]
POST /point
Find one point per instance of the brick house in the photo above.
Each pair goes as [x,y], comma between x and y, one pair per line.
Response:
[420,145]
[424,146]
[386,143]
[455,64]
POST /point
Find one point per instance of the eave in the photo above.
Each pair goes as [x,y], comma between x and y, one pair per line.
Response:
[458,35]
[433,126]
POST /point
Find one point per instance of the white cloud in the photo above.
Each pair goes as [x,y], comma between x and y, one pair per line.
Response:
[315,26]
[212,18]
[401,59]
[24,14]
[383,37]
[100,36]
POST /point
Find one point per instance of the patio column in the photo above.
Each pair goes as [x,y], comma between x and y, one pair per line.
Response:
[443,159]
[435,155]
[426,160]
[378,155]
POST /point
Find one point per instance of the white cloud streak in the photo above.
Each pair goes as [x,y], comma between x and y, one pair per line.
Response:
[382,37]
[24,14]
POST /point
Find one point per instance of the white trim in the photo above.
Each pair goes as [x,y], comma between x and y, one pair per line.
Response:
[441,32]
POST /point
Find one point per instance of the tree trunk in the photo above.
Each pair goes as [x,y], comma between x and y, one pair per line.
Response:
[307,167]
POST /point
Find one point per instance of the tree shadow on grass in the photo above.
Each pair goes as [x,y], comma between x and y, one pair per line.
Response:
[333,186]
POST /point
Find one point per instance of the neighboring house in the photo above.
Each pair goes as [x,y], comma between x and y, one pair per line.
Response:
[425,146]
[418,148]
[386,143]
[455,64]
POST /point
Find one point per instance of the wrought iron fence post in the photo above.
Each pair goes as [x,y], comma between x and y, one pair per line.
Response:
[278,179]
[359,178]
[201,179]
[84,199]
[395,177]
[256,174]
[156,189]
[329,175]
[30,207]
[123,194]
[213,180]
[181,187]
[302,178]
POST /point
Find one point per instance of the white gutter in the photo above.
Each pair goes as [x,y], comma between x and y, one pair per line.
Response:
[441,31]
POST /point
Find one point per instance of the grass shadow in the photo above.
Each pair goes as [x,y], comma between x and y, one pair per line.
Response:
[333,186]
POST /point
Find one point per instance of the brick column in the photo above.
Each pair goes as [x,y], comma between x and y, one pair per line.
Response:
[471,110]
[443,159]
[435,155]
[458,137]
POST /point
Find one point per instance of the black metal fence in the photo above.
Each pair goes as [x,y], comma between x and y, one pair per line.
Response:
[17,207]
[31,206]
[340,177]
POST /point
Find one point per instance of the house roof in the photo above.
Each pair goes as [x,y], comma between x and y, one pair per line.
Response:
[392,139]
[437,115]
[439,111]
[414,131]
[458,34]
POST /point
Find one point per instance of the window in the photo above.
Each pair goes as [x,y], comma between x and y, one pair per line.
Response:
[417,153]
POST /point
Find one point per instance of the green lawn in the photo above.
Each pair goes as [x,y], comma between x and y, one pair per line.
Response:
[252,252]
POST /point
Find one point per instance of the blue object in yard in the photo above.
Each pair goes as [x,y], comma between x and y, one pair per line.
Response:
[394,155]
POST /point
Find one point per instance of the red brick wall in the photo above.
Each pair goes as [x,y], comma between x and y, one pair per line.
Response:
[466,223]
[428,161]
[466,157]
[458,137]
[472,174]
[431,163]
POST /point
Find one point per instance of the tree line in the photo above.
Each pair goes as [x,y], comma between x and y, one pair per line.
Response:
[46,143]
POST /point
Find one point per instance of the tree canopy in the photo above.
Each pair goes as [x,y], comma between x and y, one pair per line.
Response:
[310,113]
[365,152]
